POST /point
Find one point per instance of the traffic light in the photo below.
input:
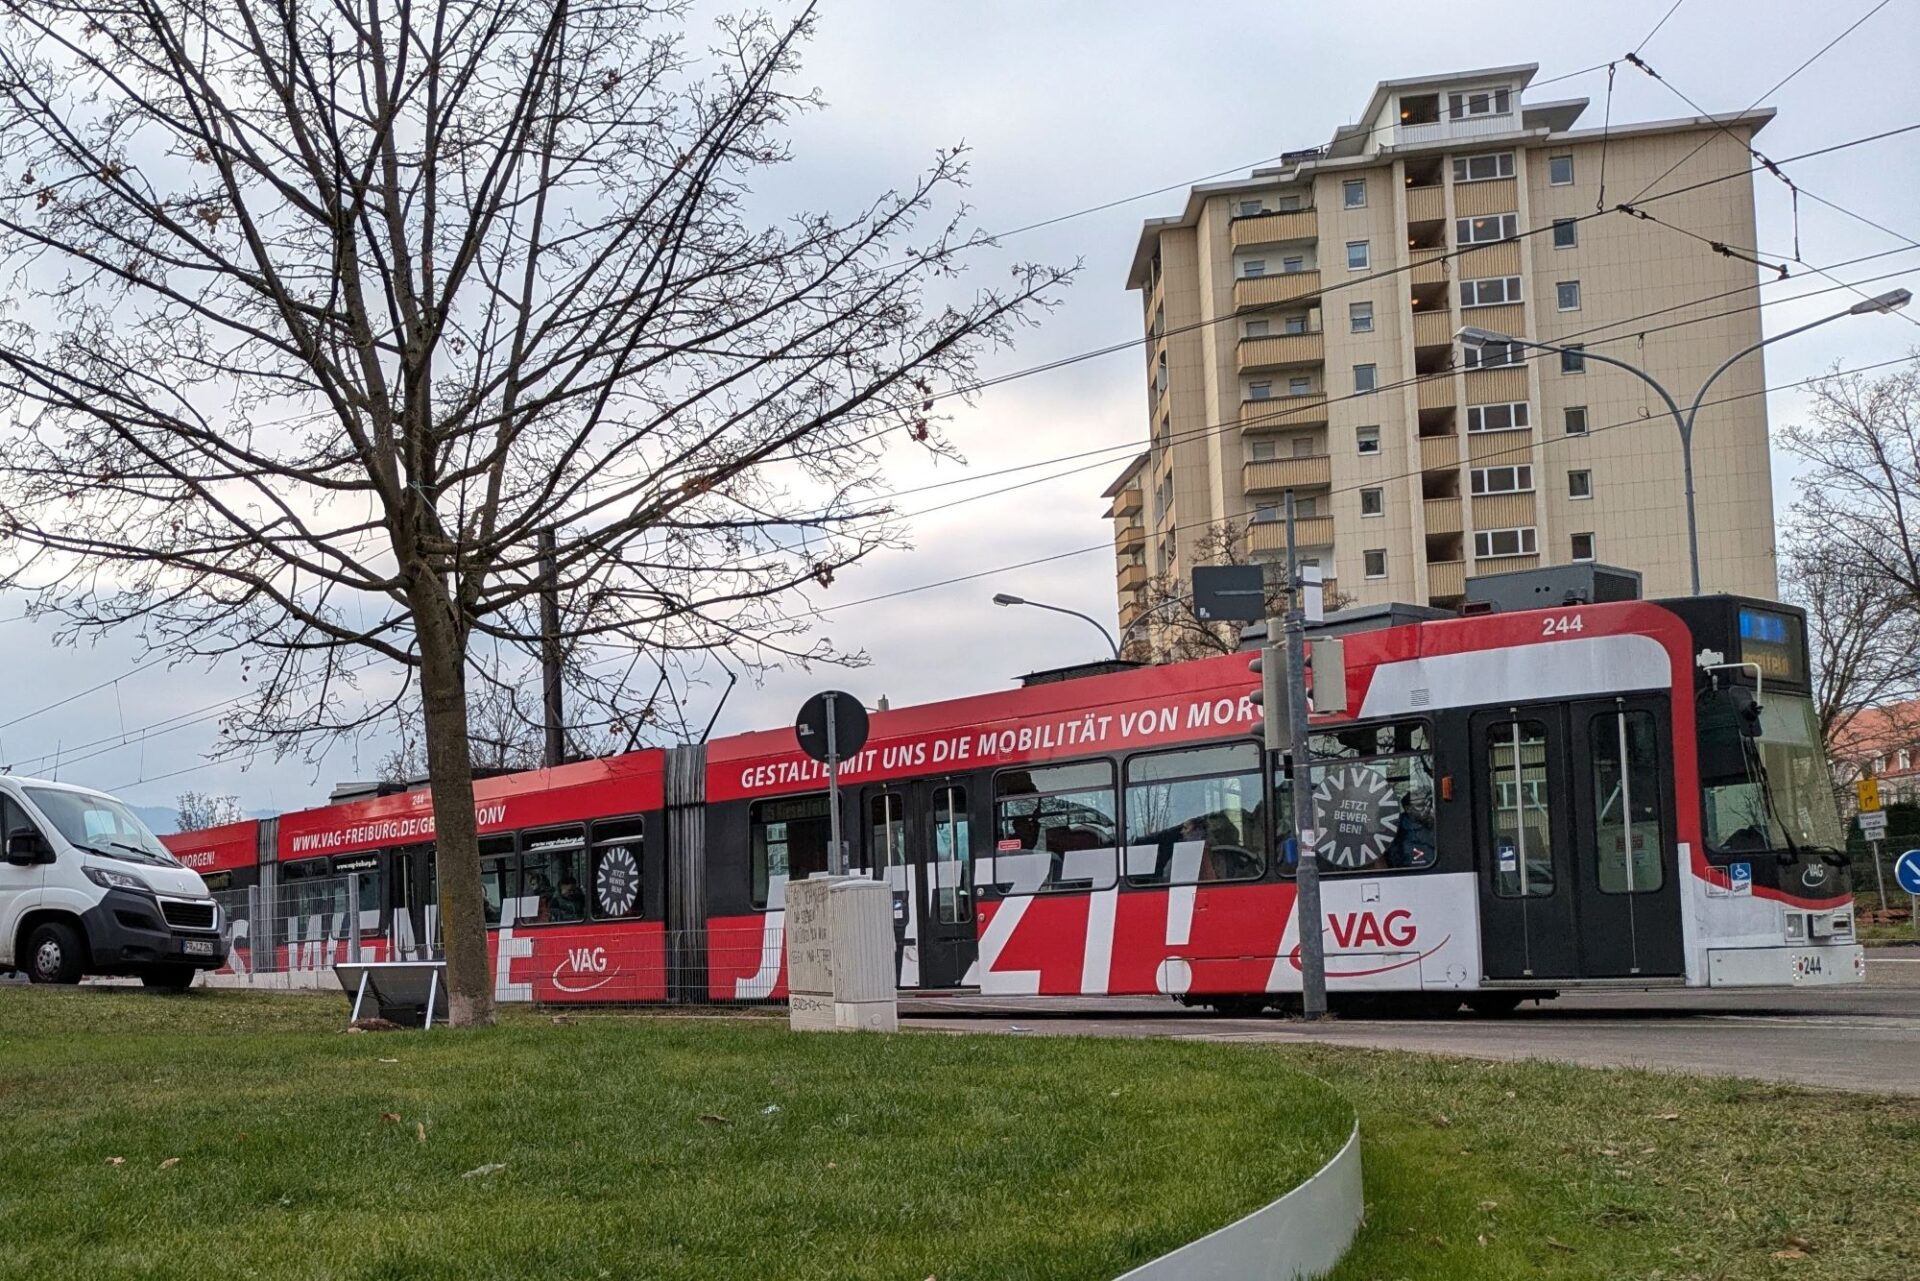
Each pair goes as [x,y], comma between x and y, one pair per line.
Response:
[1271,698]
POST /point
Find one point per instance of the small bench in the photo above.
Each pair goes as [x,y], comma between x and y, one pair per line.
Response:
[405,992]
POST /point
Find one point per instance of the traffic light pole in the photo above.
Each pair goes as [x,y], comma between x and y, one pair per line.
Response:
[1313,960]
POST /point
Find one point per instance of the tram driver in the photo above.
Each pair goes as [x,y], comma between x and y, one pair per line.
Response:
[1413,844]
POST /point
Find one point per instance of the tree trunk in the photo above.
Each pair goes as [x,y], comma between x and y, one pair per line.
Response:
[443,699]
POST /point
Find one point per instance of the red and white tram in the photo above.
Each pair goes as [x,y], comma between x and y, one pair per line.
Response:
[1626,794]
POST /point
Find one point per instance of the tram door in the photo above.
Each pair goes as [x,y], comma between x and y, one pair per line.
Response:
[414,932]
[1574,841]
[919,838]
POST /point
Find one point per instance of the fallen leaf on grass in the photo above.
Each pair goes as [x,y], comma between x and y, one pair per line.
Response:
[770,1109]
[116,1160]
[1668,1116]
[714,1118]
[170,1162]
[390,1118]
[1797,1242]
[387,1060]
[833,1165]
[420,1131]
[1791,1252]
[1489,1205]
[1440,1119]
[480,1171]
[1559,1245]
[561,1020]
[1483,1240]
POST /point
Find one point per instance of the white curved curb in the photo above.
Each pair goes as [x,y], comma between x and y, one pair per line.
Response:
[1303,1234]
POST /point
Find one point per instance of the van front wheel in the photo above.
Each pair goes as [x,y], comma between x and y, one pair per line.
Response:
[54,953]
[168,978]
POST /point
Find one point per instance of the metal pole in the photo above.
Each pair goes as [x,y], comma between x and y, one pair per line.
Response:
[556,746]
[353,916]
[1879,877]
[836,857]
[1313,960]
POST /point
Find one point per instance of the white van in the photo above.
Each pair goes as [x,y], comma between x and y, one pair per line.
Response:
[85,888]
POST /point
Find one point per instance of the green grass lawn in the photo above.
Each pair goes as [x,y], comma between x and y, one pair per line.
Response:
[639,1146]
[224,1134]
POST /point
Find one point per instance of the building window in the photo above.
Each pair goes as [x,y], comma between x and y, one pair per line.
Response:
[1573,360]
[1373,502]
[1491,292]
[1261,451]
[1375,561]
[1259,391]
[1295,324]
[1491,356]
[1360,317]
[1255,329]
[1364,378]
[1253,268]
[1248,208]
[1502,480]
[1583,546]
[1356,255]
[1300,386]
[1576,420]
[1292,263]
[1566,233]
[1507,417]
[1266,513]
[1504,542]
[1567,295]
[1287,204]
[1580,483]
[1303,447]
[1495,164]
[1560,170]
[1366,440]
[1488,230]
[1353,193]
[1306,508]
[1478,102]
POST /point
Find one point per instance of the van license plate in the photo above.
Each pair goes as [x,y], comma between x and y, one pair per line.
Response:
[197,947]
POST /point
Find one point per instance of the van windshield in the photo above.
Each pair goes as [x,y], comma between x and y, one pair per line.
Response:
[101,825]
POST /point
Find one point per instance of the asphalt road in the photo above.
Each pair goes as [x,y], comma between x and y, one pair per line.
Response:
[1863,1037]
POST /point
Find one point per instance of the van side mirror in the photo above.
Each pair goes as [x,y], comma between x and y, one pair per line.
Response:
[26,846]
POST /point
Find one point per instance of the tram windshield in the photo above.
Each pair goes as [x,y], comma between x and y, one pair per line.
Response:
[1771,791]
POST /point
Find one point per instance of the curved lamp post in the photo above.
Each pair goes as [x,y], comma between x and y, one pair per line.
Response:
[1004,598]
[1471,336]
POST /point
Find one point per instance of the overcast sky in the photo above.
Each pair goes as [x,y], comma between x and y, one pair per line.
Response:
[1066,105]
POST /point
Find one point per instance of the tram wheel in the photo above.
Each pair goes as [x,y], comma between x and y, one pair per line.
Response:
[1236,1007]
[1494,1005]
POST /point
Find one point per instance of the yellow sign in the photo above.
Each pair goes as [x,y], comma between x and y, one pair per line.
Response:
[1868,790]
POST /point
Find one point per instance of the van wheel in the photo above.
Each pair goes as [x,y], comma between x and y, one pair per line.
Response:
[54,953]
[168,978]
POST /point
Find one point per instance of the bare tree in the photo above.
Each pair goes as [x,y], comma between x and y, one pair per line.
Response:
[1862,632]
[506,731]
[197,811]
[324,317]
[1171,632]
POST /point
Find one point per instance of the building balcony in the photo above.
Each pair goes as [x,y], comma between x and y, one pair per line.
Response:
[1285,286]
[1285,411]
[1476,199]
[1426,204]
[1439,453]
[1280,349]
[1271,535]
[1287,473]
[1501,258]
[1446,578]
[1128,537]
[1503,511]
[1443,516]
[1435,392]
[1128,502]
[1503,564]
[1132,577]
[1433,328]
[1509,318]
[1273,228]
[1429,266]
[1496,386]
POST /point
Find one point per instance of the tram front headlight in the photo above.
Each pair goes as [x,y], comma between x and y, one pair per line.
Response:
[1796,927]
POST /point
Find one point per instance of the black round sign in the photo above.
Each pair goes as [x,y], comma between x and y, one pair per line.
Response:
[849,725]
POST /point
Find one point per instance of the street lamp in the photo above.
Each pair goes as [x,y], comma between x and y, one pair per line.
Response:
[1004,598]
[1472,336]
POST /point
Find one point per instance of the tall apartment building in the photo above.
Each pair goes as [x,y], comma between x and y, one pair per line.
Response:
[1301,336]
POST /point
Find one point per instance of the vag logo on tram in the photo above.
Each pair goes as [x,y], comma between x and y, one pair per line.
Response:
[1357,929]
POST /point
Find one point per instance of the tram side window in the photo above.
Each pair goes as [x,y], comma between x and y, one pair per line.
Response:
[617,850]
[1055,828]
[497,870]
[952,856]
[788,839]
[1522,819]
[886,831]
[309,890]
[1195,816]
[1627,803]
[550,872]
[1372,798]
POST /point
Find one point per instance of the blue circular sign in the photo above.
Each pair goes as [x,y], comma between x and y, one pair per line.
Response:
[1906,870]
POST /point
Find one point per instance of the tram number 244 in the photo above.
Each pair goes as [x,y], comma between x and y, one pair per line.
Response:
[1562,625]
